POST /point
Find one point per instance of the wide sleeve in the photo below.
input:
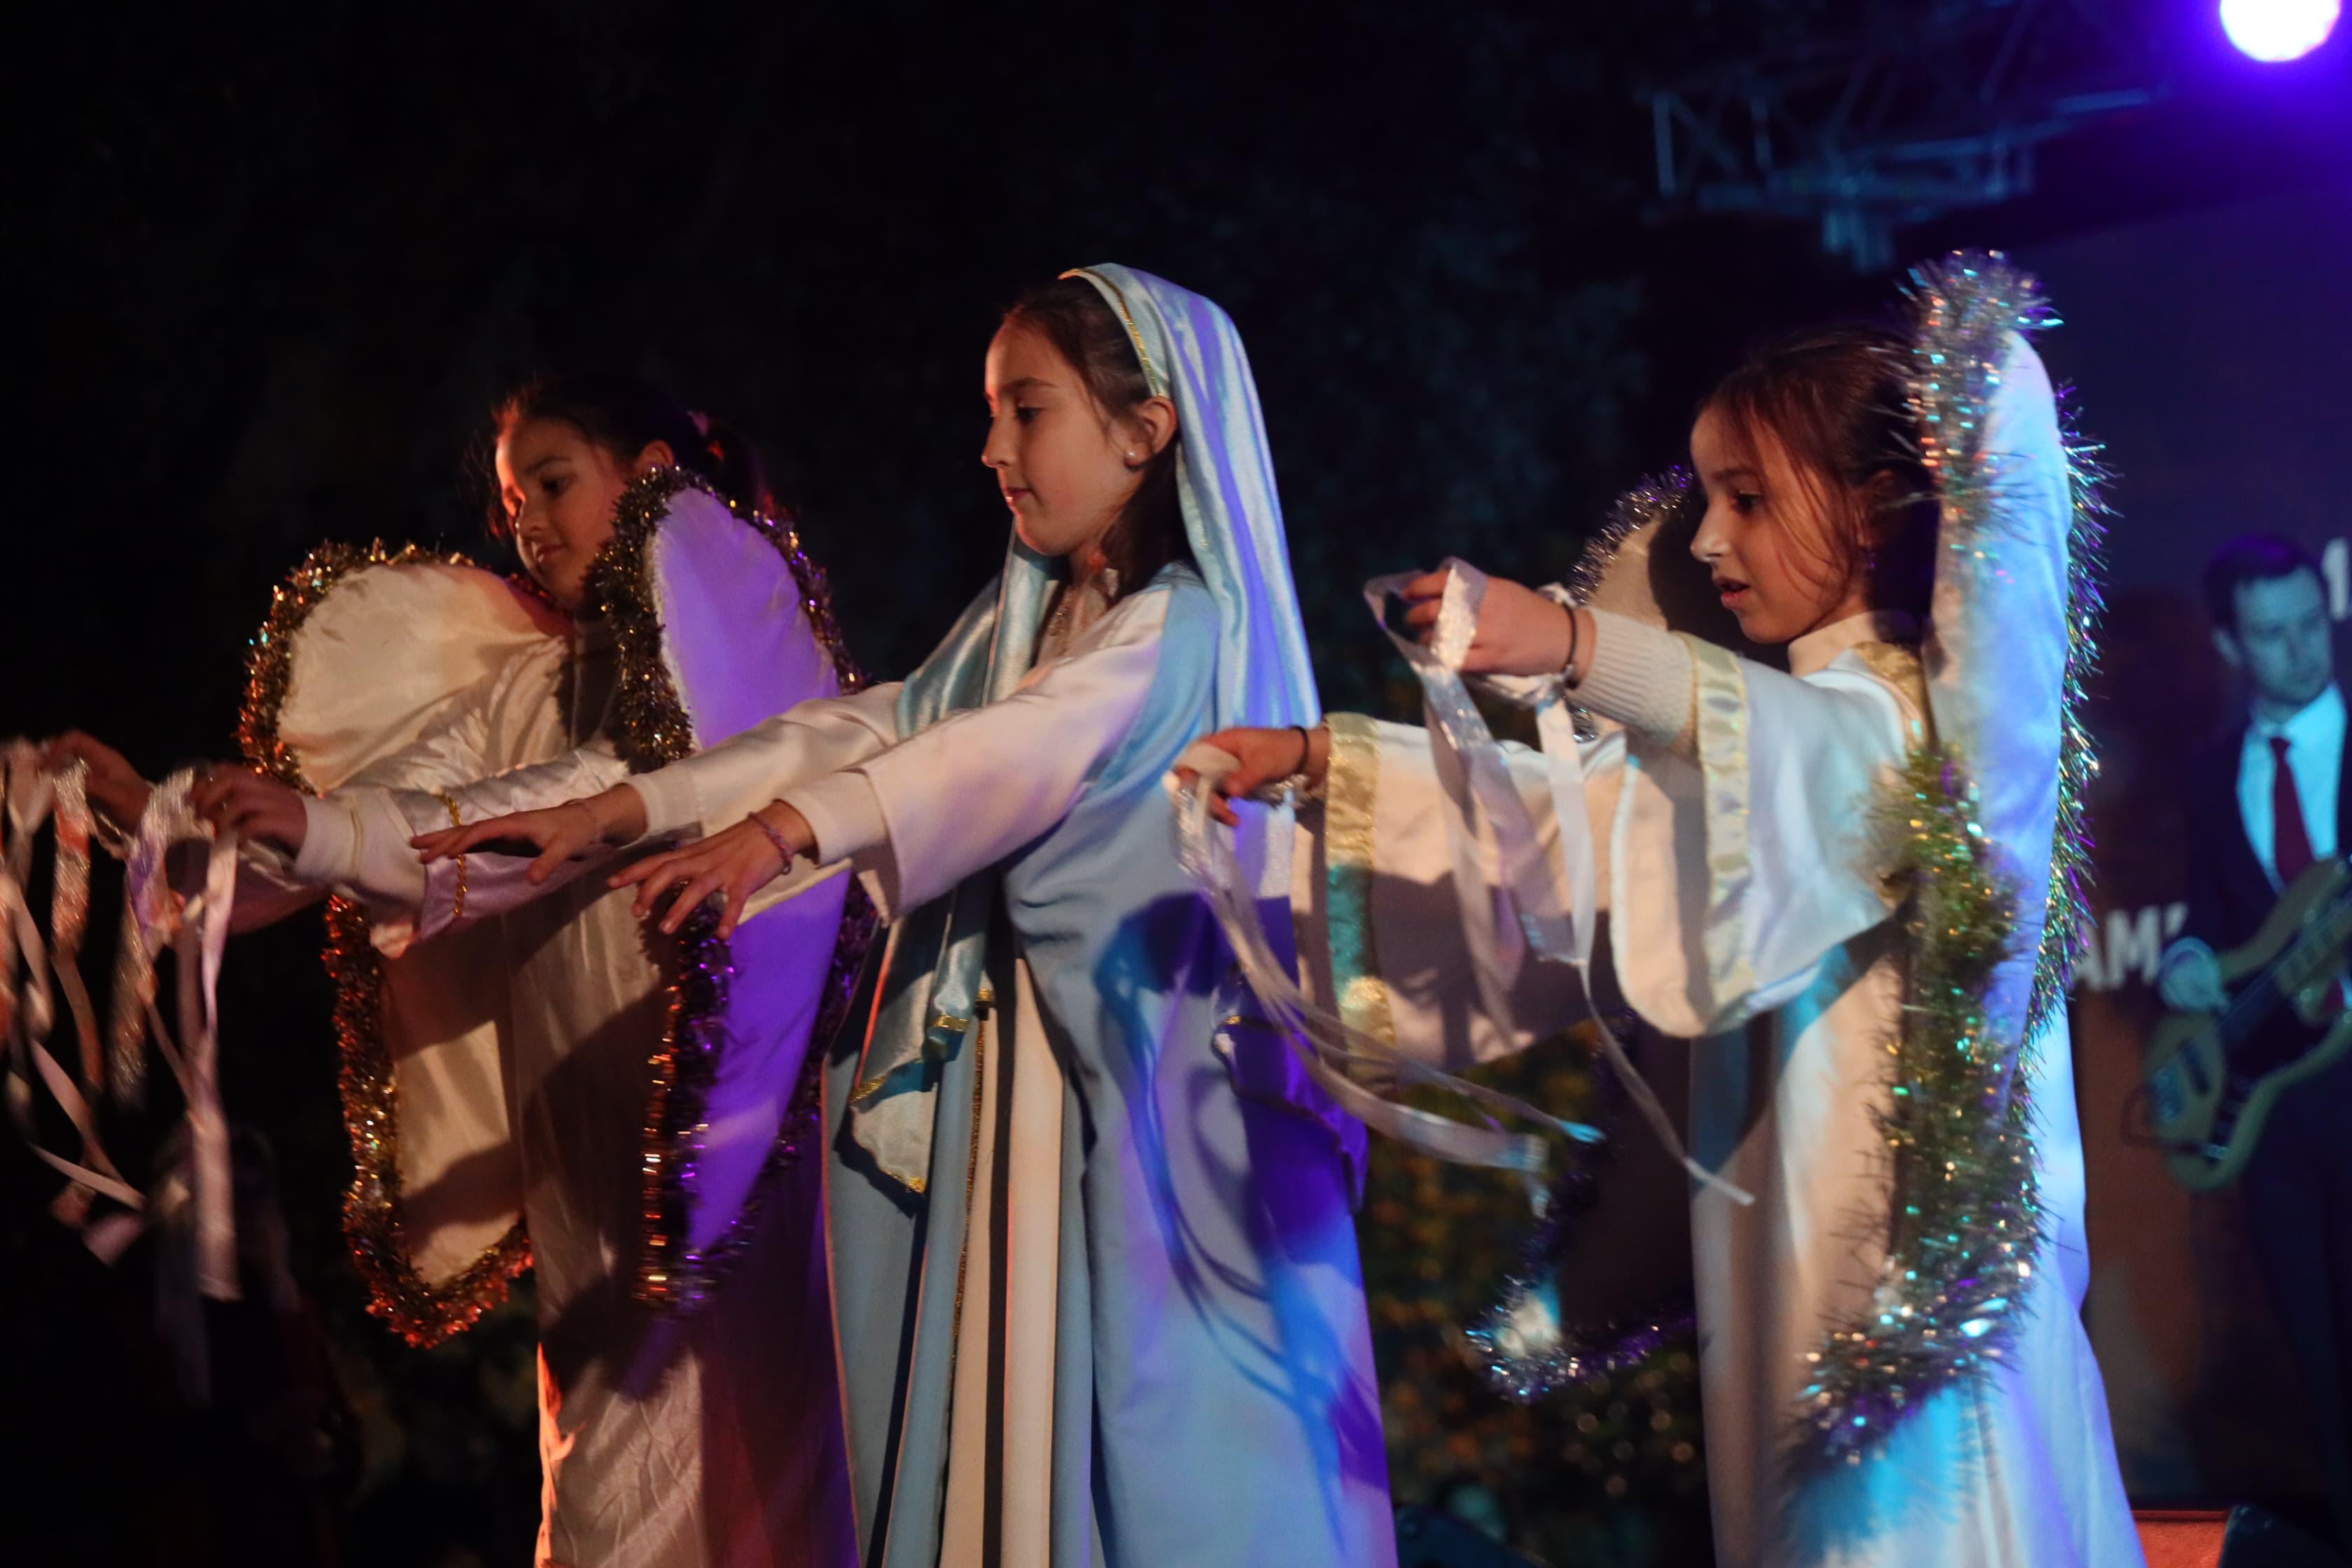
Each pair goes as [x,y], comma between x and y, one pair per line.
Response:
[1737,863]
[355,839]
[359,836]
[719,787]
[963,794]
[1377,907]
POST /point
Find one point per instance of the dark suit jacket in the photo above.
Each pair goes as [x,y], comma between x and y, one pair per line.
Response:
[2229,895]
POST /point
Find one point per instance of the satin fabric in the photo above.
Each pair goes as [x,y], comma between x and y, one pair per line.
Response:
[1996,651]
[1213,1393]
[522,1032]
[1193,354]
[1779,958]
[1787,1021]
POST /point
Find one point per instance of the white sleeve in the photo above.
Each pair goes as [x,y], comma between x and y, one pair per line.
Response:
[963,794]
[1733,874]
[357,843]
[722,786]
[355,837]
[1378,909]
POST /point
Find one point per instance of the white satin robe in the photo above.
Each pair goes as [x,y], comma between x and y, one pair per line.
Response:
[1748,917]
[665,1443]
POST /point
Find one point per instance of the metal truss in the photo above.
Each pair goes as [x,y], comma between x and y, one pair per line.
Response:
[1919,110]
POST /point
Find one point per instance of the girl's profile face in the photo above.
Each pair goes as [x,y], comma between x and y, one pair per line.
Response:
[1782,563]
[1065,471]
[560,490]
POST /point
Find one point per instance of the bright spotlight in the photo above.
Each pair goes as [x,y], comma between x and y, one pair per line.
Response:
[2279,29]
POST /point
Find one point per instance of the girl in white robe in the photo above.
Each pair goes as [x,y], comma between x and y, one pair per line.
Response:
[1869,1396]
[497,1030]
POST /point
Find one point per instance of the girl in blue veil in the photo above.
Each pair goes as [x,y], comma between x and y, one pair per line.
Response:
[1095,1281]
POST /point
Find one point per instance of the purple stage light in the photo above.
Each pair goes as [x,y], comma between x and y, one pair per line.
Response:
[2275,30]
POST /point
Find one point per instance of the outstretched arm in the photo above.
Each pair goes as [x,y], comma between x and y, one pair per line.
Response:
[705,793]
[266,891]
[918,818]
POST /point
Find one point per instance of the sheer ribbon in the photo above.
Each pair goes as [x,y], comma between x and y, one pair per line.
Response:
[1209,859]
[194,924]
[1520,909]
[1511,911]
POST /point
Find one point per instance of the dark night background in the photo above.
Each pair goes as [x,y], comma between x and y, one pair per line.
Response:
[271,264]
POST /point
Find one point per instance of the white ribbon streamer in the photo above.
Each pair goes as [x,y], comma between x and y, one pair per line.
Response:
[1209,859]
[1478,782]
[196,927]
[27,1018]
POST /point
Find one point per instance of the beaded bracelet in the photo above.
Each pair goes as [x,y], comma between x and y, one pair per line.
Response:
[1298,787]
[783,846]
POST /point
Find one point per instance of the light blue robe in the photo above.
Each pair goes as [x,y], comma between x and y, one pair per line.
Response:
[1215,1397]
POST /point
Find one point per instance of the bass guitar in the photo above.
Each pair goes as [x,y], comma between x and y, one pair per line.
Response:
[2214,1077]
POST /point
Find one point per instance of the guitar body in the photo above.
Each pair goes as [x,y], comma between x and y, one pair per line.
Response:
[2211,1084]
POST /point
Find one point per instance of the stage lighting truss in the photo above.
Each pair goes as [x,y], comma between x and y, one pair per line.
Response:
[1922,108]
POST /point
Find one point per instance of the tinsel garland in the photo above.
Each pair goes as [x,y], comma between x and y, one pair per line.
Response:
[1964,1219]
[421,1313]
[1654,499]
[1964,308]
[1616,1426]
[1522,1348]
[1963,1222]
[653,729]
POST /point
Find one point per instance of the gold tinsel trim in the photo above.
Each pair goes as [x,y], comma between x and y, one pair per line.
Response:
[1350,848]
[419,1311]
[653,730]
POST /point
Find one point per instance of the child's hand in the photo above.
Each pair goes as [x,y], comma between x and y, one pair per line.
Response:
[234,799]
[1265,757]
[1519,631]
[116,791]
[734,862]
[552,836]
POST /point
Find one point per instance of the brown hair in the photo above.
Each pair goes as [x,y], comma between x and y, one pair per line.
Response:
[1837,399]
[626,413]
[2250,558]
[1072,315]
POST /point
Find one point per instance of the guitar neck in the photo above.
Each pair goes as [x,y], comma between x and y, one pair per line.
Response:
[2315,956]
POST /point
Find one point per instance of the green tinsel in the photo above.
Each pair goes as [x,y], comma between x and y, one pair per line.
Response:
[1965,1219]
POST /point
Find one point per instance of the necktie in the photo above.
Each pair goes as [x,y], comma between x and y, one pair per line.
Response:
[2291,844]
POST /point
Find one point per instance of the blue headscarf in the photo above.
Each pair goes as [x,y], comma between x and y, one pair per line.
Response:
[934,970]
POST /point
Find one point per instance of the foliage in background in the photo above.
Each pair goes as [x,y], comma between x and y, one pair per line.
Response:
[1609,1473]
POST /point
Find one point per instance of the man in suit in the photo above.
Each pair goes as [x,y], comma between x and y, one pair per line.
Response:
[2263,807]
